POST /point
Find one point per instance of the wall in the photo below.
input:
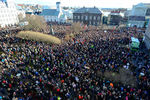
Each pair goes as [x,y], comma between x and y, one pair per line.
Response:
[139,10]
[137,23]
[8,14]
[147,37]
[87,18]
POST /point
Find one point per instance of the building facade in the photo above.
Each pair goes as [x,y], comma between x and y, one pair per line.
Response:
[68,13]
[8,13]
[147,17]
[147,37]
[139,15]
[114,18]
[137,21]
[54,15]
[88,16]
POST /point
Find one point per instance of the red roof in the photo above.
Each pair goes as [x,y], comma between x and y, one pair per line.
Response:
[20,4]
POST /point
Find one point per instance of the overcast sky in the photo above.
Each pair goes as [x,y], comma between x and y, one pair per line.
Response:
[88,3]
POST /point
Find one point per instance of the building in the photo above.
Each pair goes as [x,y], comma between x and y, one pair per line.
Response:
[68,13]
[8,13]
[147,37]
[139,15]
[30,9]
[54,15]
[89,16]
[114,18]
[137,21]
[147,17]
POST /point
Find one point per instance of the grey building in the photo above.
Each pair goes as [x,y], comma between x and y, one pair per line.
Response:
[137,21]
[147,37]
[147,17]
[89,16]
[114,18]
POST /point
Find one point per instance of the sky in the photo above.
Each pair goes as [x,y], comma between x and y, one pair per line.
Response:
[87,3]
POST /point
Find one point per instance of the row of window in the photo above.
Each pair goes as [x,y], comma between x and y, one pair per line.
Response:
[87,17]
[90,22]
[49,17]
[8,19]
[7,15]
[8,10]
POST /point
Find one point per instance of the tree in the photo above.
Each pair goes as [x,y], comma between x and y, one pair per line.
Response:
[20,17]
[36,23]
[76,28]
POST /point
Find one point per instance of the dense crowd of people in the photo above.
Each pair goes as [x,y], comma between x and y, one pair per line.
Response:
[31,70]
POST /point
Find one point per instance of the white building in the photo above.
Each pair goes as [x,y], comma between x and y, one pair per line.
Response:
[68,13]
[137,16]
[8,13]
[54,15]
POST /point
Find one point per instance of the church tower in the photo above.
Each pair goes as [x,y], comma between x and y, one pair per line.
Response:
[58,6]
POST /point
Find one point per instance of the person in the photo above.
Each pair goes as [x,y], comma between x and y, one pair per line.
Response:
[37,71]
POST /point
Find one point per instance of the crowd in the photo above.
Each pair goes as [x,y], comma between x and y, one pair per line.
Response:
[33,70]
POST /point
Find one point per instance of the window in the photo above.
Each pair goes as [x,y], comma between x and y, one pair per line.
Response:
[90,22]
[93,23]
[82,17]
[78,17]
[86,17]
[94,17]
[91,17]
[98,17]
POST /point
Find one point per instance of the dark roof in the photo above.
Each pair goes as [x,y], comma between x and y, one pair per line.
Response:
[57,2]
[137,18]
[148,12]
[49,12]
[88,10]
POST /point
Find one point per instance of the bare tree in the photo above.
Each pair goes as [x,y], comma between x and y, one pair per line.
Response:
[76,28]
[36,23]
[20,17]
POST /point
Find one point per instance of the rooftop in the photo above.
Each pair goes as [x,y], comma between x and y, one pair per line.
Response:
[88,10]
[50,12]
